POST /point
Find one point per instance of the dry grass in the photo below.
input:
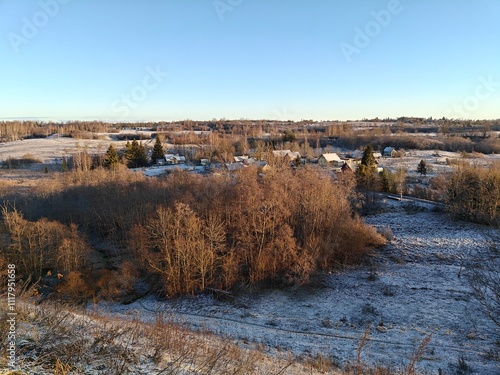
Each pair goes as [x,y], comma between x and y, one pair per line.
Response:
[68,340]
[57,339]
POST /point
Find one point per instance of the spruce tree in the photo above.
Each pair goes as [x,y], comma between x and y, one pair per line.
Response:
[136,154]
[366,171]
[128,152]
[139,157]
[111,159]
[368,159]
[385,181]
[158,152]
[422,167]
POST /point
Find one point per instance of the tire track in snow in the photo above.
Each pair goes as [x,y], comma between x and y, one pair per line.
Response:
[321,334]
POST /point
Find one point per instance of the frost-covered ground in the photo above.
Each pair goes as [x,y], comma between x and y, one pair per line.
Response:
[406,292]
[437,161]
[53,149]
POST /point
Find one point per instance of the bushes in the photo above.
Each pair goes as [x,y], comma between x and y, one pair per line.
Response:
[192,232]
[473,193]
[179,250]
[44,244]
[25,161]
[273,229]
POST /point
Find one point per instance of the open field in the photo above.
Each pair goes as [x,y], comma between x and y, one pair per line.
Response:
[438,161]
[52,150]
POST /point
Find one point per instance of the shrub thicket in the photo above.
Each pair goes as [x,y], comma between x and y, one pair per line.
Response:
[473,193]
[194,232]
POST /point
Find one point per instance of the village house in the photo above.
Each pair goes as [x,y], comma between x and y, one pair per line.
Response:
[174,159]
[389,151]
[330,159]
[286,154]
[350,165]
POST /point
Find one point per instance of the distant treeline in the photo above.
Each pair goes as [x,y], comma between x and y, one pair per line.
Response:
[488,145]
[10,130]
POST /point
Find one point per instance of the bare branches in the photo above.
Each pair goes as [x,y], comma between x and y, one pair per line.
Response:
[484,279]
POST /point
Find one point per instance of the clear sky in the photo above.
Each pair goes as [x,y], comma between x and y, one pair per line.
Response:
[130,60]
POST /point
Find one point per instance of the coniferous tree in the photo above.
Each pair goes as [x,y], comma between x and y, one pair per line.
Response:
[111,159]
[136,154]
[385,181]
[128,151]
[368,159]
[288,136]
[158,152]
[422,167]
[140,156]
[366,171]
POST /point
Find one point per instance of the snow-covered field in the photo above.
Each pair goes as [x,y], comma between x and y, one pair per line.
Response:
[437,161]
[53,148]
[50,150]
[405,293]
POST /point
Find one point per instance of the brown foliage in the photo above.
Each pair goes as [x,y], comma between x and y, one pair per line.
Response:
[180,252]
[42,244]
[474,194]
[194,232]
[114,285]
[276,229]
[75,287]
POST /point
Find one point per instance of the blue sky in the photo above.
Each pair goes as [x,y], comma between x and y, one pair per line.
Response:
[130,60]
